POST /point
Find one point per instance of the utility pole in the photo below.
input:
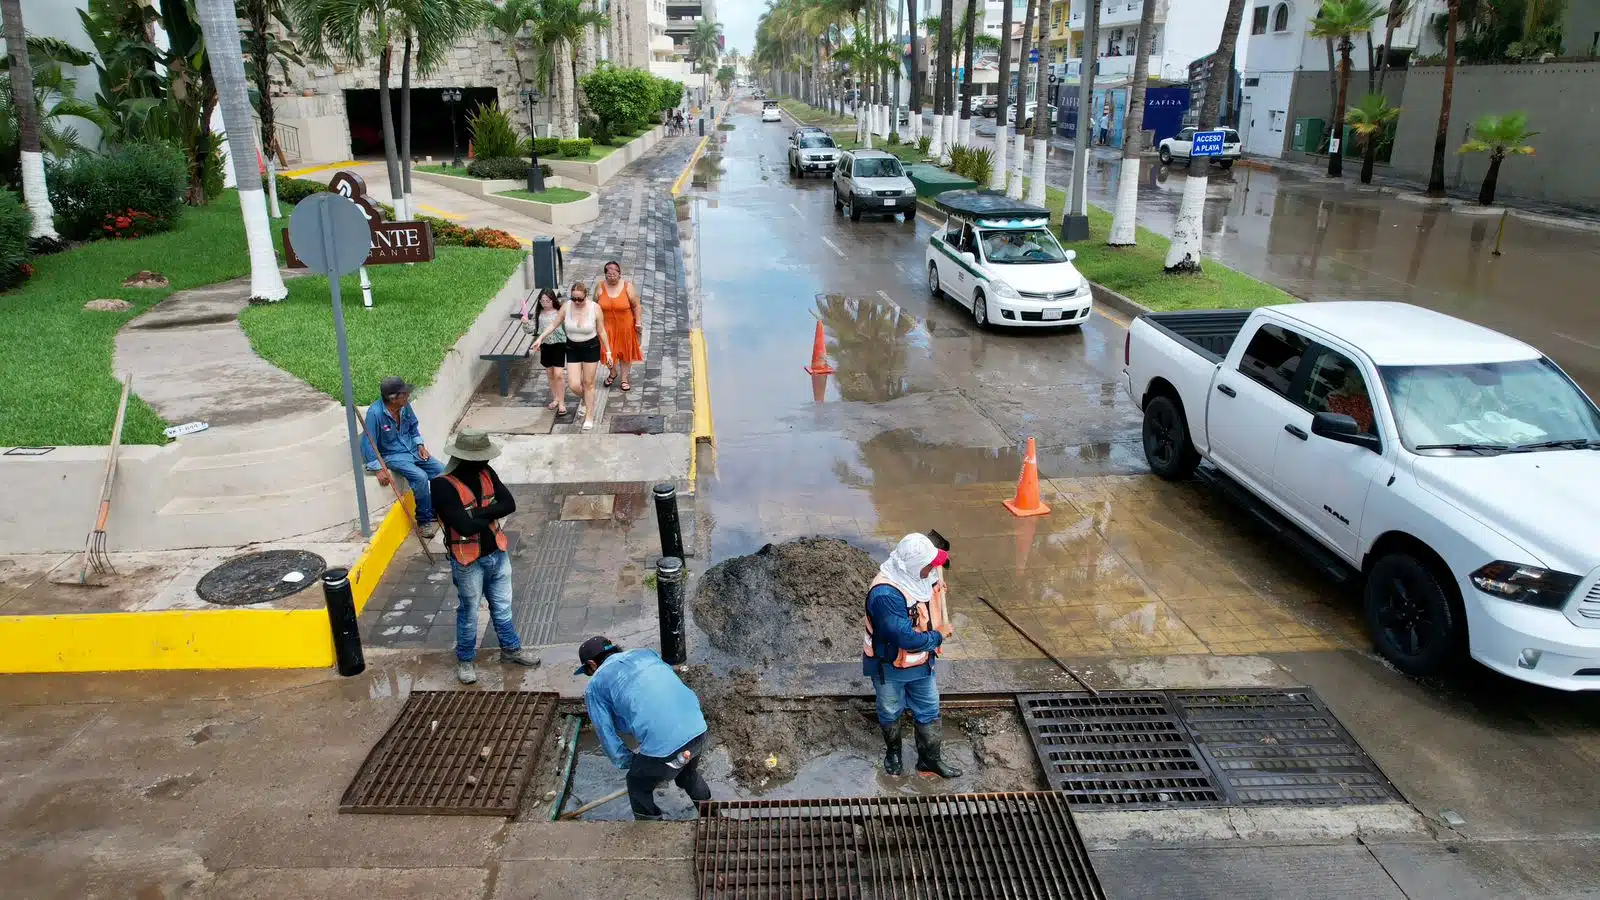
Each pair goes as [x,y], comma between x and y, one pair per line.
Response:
[1075,223]
[899,65]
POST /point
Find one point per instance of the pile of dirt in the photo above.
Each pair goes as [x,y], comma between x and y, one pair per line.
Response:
[766,739]
[799,600]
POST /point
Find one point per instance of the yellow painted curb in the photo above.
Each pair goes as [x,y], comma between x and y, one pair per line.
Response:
[312,170]
[702,429]
[218,638]
[677,186]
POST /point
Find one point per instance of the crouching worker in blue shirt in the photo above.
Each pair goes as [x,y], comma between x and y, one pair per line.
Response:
[899,649]
[635,692]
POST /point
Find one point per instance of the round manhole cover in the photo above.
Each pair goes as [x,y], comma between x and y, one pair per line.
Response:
[260,577]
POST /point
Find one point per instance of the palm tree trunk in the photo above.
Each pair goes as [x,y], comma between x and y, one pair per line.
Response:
[1333,86]
[1369,155]
[1383,52]
[260,71]
[942,91]
[1124,219]
[1041,110]
[1188,228]
[966,74]
[1002,130]
[1336,150]
[219,21]
[34,190]
[1372,68]
[1442,137]
[1490,180]
[914,102]
[405,131]
[1020,145]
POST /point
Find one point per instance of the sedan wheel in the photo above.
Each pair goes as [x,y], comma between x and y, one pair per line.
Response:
[1413,622]
[933,280]
[980,310]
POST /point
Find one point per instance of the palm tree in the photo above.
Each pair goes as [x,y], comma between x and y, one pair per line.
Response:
[1398,11]
[1041,109]
[34,191]
[1184,254]
[264,48]
[55,100]
[1500,137]
[511,22]
[942,87]
[914,102]
[704,43]
[558,32]
[1370,119]
[1341,20]
[969,26]
[1124,219]
[432,27]
[1002,126]
[1442,136]
[1019,146]
[219,20]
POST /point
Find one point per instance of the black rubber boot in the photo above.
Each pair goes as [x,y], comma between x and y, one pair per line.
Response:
[892,763]
[929,745]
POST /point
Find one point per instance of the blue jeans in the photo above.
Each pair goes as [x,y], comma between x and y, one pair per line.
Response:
[418,472]
[489,575]
[922,695]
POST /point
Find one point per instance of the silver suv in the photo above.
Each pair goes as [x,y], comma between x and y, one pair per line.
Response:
[811,150]
[873,183]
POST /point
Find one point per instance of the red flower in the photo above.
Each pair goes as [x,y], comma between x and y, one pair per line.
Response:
[123,221]
[108,228]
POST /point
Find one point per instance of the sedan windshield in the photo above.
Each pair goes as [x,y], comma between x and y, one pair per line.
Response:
[880,167]
[1491,407]
[815,141]
[1034,245]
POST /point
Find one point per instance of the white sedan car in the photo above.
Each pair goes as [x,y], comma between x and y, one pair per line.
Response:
[769,112]
[1179,145]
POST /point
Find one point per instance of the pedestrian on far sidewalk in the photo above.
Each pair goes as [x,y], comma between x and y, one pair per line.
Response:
[471,501]
[392,425]
[587,345]
[624,316]
[635,692]
[553,352]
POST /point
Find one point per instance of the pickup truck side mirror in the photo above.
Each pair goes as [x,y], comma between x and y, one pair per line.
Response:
[1344,430]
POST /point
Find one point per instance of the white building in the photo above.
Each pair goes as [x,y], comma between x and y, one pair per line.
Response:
[1184,31]
[1286,73]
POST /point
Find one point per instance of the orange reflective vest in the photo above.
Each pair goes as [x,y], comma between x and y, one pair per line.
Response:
[464,549]
[921,621]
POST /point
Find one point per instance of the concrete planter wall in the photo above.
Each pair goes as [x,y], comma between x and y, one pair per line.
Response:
[575,213]
[598,173]
[231,485]
[479,187]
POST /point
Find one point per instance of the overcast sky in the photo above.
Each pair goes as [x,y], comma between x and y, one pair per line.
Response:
[738,18]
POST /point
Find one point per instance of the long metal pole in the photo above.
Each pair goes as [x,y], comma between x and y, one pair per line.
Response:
[344,375]
[1040,647]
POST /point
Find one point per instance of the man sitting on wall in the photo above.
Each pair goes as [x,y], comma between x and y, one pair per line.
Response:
[393,426]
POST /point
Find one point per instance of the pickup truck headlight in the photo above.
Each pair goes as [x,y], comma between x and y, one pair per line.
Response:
[1525,584]
[1001,289]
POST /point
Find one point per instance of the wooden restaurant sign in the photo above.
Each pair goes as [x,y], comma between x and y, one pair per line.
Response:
[392,242]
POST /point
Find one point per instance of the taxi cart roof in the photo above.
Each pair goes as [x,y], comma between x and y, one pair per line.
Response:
[987,205]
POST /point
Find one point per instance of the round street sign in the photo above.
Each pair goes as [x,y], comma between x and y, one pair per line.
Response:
[320,216]
[1033,55]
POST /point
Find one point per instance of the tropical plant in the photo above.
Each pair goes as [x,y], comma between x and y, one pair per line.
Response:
[1184,254]
[1340,21]
[511,20]
[557,32]
[15,224]
[220,20]
[576,147]
[147,176]
[1441,137]
[25,105]
[492,132]
[1125,216]
[55,100]
[705,43]
[1499,30]
[622,99]
[293,190]
[725,79]
[1372,120]
[1500,137]
[266,45]
[431,27]
[974,163]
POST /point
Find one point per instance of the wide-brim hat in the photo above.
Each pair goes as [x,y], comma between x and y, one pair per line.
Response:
[472,444]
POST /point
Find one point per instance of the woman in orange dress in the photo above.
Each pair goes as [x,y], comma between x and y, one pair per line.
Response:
[619,300]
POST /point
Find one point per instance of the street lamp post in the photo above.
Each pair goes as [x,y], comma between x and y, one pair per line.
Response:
[452,97]
[530,96]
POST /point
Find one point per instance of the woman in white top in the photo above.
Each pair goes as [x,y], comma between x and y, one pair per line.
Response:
[584,324]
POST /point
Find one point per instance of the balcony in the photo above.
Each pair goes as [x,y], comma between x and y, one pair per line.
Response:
[1119,12]
[1122,66]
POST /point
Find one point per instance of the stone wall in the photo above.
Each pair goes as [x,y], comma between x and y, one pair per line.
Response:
[1562,104]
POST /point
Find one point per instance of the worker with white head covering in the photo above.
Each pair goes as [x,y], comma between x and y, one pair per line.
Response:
[899,647]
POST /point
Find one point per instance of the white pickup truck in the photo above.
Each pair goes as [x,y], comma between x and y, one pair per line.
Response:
[1455,470]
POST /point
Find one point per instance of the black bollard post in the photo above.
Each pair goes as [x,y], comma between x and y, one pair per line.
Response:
[667,520]
[702,121]
[342,618]
[669,609]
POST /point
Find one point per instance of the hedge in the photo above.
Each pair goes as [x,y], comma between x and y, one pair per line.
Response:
[577,147]
[15,224]
[88,187]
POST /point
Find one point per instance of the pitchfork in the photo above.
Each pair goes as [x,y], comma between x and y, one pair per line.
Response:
[95,558]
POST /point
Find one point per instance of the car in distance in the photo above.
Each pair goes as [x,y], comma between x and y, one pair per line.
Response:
[811,150]
[873,183]
[1179,145]
[1028,115]
[1446,468]
[769,111]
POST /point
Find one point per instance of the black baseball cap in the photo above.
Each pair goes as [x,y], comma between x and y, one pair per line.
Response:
[393,385]
[593,649]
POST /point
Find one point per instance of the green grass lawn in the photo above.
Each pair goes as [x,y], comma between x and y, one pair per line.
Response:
[440,169]
[1138,272]
[56,383]
[596,153]
[549,195]
[906,153]
[418,314]
[807,114]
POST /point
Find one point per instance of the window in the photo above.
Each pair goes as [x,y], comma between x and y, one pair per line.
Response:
[1252,82]
[1186,135]
[877,167]
[1495,404]
[1335,385]
[1280,19]
[1258,20]
[1022,247]
[1273,358]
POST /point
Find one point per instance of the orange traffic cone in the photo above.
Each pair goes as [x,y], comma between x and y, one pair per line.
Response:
[1027,502]
[819,357]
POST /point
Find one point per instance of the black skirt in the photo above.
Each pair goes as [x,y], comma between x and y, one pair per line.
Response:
[553,356]
[584,351]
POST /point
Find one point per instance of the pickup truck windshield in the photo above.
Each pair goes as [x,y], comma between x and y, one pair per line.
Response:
[1021,247]
[1514,406]
[877,168]
[815,141]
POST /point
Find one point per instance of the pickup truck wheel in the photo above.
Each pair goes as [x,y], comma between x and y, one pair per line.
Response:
[1413,621]
[837,203]
[1167,447]
[1166,157]
[1225,163]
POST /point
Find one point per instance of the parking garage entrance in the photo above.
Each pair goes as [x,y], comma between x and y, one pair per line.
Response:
[430,119]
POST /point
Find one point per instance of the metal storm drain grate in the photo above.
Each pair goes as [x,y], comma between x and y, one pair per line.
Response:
[1281,746]
[1127,750]
[454,753]
[1021,845]
[1156,749]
